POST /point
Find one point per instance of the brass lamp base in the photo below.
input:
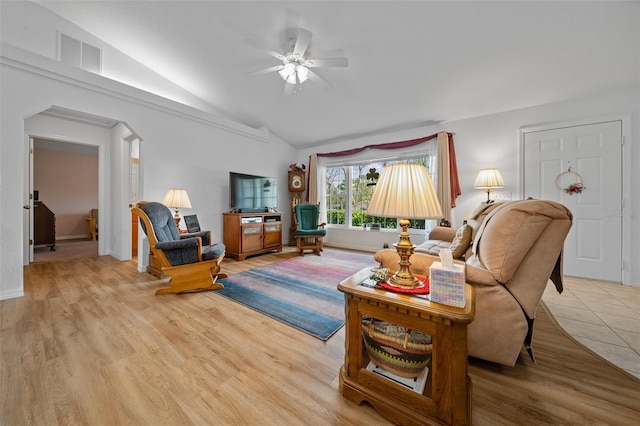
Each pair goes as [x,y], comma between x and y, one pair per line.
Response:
[176,219]
[404,278]
[404,281]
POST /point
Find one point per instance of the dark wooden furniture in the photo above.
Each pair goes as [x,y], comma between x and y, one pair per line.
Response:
[296,198]
[297,183]
[134,235]
[246,234]
[92,224]
[44,226]
[446,398]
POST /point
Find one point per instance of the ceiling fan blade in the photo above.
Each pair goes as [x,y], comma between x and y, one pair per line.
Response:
[261,46]
[302,42]
[328,62]
[266,70]
[326,53]
[316,78]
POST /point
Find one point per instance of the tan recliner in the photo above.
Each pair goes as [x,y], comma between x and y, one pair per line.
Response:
[516,248]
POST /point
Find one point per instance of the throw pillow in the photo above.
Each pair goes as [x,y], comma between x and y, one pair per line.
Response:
[461,241]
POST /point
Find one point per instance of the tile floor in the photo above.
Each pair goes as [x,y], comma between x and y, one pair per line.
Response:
[603,316]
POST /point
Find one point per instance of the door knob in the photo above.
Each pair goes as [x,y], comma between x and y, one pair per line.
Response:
[27,207]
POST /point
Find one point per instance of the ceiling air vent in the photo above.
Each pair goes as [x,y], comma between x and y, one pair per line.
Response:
[79,54]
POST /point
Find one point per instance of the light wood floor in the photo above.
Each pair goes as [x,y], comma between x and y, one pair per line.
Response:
[90,344]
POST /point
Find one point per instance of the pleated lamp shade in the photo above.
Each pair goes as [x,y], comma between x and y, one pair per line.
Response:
[489,178]
[405,191]
[177,198]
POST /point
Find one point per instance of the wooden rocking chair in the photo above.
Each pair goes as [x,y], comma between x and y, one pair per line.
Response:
[190,260]
[309,234]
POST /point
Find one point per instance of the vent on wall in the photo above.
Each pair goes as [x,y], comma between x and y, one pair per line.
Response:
[79,54]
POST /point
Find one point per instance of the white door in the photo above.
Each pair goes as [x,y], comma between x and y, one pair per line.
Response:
[592,155]
[28,246]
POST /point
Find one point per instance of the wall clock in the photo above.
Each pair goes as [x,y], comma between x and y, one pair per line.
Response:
[296,181]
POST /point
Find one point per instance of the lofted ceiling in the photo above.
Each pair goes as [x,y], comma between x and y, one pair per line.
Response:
[411,63]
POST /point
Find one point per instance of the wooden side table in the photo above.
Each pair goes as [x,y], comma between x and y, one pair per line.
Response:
[446,398]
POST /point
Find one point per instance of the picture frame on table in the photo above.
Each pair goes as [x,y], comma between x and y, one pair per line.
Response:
[191,221]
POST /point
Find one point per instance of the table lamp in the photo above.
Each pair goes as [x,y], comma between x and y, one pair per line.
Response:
[177,198]
[489,179]
[405,191]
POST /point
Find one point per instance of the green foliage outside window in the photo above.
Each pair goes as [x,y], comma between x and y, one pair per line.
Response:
[335,217]
[361,218]
[417,223]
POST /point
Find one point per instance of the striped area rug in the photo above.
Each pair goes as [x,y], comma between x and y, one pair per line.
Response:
[301,291]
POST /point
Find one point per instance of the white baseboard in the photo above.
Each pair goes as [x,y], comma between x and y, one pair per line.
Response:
[5,295]
[72,237]
[351,247]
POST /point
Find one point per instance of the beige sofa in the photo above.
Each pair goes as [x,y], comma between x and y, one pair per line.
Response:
[516,248]
[439,237]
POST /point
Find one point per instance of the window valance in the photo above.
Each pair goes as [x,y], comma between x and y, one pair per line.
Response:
[448,183]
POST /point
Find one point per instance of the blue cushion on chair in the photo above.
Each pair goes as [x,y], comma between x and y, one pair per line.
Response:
[213,251]
[161,220]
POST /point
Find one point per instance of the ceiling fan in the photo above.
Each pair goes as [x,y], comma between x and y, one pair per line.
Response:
[295,68]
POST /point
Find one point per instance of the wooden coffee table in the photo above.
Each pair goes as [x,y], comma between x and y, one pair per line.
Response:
[446,398]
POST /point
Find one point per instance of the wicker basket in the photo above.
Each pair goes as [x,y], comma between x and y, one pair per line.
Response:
[396,349]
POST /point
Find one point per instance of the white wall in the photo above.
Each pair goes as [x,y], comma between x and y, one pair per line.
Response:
[32,27]
[494,141]
[68,184]
[181,147]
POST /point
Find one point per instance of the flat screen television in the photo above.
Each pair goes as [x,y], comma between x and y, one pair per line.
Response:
[251,193]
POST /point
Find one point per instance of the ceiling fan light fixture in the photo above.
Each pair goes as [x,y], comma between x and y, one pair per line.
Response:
[295,68]
[303,73]
[294,73]
[288,72]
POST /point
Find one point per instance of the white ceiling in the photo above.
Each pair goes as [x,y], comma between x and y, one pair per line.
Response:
[411,63]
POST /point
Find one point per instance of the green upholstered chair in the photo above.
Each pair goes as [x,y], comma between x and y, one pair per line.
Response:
[309,234]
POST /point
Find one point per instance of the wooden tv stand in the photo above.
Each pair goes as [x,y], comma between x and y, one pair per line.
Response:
[247,234]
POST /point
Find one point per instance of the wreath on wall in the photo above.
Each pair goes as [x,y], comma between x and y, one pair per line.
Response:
[574,188]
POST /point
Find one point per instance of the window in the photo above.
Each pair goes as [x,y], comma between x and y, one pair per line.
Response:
[349,188]
[336,195]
